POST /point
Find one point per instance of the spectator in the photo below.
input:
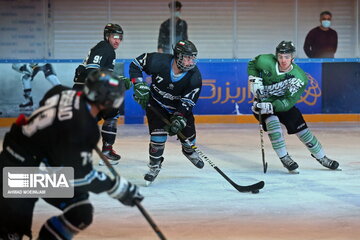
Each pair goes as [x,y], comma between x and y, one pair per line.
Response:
[164,45]
[321,42]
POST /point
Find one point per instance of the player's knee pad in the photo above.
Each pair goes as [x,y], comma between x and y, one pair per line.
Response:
[108,131]
[74,219]
[48,70]
[273,128]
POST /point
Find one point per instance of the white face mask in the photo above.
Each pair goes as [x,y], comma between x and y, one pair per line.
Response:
[326,23]
[177,14]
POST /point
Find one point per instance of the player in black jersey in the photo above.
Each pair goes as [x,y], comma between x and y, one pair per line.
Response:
[174,90]
[103,55]
[63,131]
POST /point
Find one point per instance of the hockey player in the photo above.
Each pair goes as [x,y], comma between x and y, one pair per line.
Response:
[174,90]
[102,55]
[64,131]
[278,83]
[29,71]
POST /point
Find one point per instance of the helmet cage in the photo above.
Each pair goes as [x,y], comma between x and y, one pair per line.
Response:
[180,63]
[185,49]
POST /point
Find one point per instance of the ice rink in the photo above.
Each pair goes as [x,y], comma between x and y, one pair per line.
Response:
[189,203]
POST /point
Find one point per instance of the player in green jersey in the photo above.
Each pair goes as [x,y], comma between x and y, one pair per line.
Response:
[277,84]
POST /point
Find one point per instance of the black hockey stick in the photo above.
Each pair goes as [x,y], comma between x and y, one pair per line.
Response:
[137,203]
[254,188]
[265,164]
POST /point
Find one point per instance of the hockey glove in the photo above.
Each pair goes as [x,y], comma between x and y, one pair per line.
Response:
[126,192]
[262,108]
[141,94]
[178,122]
[127,82]
[256,84]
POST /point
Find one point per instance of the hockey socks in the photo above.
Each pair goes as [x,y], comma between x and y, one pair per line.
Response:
[276,135]
[311,143]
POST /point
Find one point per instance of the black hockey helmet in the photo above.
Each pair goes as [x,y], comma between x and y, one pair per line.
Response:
[113,28]
[185,48]
[104,88]
[285,47]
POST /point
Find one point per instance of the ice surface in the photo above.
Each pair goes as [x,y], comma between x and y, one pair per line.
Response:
[190,203]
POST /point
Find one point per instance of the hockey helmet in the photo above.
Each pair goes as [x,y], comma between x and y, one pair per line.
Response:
[185,48]
[113,28]
[285,47]
[104,88]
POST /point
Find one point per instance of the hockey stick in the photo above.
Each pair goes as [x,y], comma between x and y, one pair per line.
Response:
[265,164]
[254,188]
[137,203]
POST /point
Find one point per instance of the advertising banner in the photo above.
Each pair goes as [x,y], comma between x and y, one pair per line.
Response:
[225,89]
[224,92]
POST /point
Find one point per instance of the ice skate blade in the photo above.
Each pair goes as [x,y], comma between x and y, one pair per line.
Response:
[147,183]
[112,162]
[294,171]
[27,108]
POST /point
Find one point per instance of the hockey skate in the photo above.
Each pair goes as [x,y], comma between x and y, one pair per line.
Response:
[328,163]
[27,103]
[194,157]
[154,169]
[289,164]
[110,154]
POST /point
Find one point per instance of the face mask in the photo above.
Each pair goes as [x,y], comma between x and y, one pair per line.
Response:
[177,14]
[326,23]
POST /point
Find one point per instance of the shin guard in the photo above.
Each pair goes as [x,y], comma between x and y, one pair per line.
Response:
[311,143]
[108,131]
[276,135]
[74,219]
[157,146]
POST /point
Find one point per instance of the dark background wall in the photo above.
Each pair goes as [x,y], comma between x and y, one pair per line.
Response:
[341,87]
